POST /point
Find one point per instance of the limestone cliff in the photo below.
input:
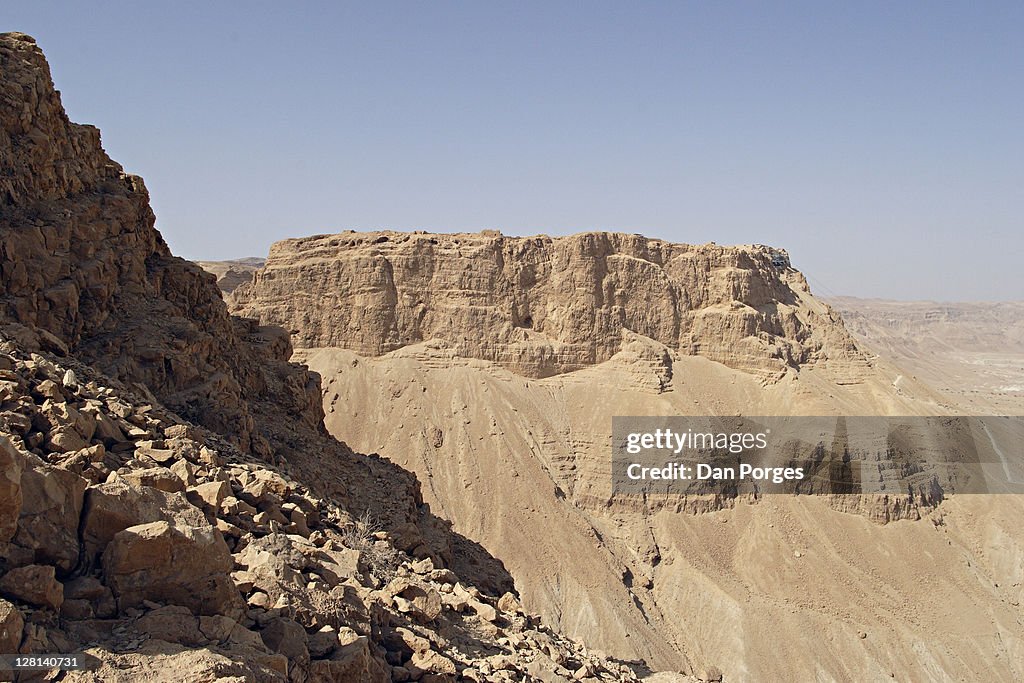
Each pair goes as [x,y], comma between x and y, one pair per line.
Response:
[543,306]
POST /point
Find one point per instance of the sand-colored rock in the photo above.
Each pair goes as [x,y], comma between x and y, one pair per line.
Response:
[180,565]
[11,465]
[113,507]
[540,305]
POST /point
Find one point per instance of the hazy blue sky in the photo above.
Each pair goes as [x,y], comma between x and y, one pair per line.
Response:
[880,142]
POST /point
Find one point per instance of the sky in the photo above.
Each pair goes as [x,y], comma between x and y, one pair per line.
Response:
[880,143]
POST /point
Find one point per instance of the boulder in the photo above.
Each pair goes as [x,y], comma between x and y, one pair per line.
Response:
[112,507]
[484,611]
[176,565]
[217,628]
[35,584]
[265,487]
[156,477]
[509,603]
[322,643]
[84,588]
[65,440]
[543,669]
[76,610]
[429,661]
[50,512]
[351,662]
[11,465]
[173,623]
[12,624]
[185,471]
[286,637]
[415,598]
[209,495]
[107,430]
[412,642]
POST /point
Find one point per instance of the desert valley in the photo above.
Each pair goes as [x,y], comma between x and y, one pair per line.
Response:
[385,456]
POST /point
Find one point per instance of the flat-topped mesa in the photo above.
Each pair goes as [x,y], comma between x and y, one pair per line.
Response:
[545,305]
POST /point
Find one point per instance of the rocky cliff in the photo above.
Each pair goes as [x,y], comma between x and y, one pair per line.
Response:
[543,306]
[80,259]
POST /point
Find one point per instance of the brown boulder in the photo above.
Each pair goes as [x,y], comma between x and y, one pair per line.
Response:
[107,430]
[35,584]
[50,512]
[422,603]
[12,624]
[322,643]
[177,565]
[112,507]
[11,465]
[286,637]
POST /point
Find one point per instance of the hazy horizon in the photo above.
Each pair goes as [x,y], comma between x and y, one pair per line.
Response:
[878,144]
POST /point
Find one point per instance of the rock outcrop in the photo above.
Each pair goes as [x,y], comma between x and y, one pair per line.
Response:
[81,260]
[542,306]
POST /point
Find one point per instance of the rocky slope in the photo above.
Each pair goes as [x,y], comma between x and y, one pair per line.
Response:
[162,552]
[169,499]
[543,306]
[522,466]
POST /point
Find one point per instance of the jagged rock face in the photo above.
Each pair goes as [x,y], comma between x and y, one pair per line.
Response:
[80,258]
[541,305]
[77,229]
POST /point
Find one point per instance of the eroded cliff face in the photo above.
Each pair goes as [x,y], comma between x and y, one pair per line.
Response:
[543,306]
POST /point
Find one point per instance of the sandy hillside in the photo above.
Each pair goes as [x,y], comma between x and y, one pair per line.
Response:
[522,466]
